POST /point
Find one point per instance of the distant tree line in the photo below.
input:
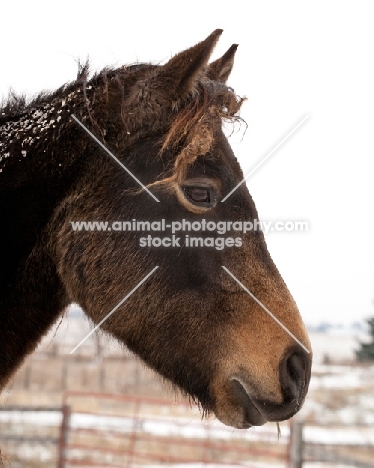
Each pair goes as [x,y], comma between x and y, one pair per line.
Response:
[366,351]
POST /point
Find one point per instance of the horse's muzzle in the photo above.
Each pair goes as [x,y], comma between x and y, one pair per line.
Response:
[294,376]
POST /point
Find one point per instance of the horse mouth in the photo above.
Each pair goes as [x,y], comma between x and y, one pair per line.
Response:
[251,415]
[242,410]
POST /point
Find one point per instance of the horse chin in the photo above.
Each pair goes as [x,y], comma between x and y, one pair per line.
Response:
[240,419]
[241,415]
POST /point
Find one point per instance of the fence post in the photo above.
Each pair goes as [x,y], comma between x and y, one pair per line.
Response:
[296,448]
[64,436]
[64,375]
[27,379]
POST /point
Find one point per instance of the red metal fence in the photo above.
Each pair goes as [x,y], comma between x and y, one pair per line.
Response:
[110,431]
[29,436]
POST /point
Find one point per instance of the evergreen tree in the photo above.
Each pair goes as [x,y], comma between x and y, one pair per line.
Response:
[366,351]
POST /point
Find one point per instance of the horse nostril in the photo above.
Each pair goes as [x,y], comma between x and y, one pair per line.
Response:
[294,374]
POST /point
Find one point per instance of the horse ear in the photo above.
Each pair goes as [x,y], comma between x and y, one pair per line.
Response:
[220,69]
[166,85]
[185,68]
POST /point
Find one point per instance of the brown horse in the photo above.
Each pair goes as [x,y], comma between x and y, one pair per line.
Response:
[190,321]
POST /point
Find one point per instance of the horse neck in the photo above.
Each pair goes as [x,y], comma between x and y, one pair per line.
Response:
[39,165]
[41,155]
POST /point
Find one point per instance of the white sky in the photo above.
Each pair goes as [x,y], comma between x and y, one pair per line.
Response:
[294,58]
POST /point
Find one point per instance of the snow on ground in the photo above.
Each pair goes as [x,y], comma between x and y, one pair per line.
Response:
[182,427]
[341,395]
[339,436]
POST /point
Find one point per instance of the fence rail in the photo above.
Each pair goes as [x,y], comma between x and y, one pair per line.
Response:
[106,430]
[28,435]
[127,431]
[304,450]
[329,455]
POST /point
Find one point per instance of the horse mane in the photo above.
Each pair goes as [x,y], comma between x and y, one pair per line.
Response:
[189,127]
[15,105]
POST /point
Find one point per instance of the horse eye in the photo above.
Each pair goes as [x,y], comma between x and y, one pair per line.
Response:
[197,194]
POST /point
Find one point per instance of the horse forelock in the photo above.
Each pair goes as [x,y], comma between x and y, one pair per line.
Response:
[193,128]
